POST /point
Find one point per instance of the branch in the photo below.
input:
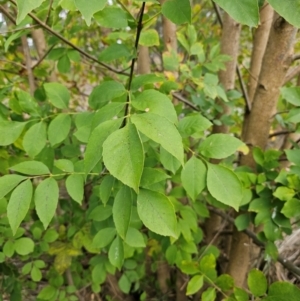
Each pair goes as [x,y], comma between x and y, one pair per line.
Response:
[296,57]
[279,133]
[59,36]
[286,263]
[43,57]
[136,45]
[185,101]
[291,74]
[7,14]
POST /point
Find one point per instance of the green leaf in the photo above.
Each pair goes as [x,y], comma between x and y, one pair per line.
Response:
[291,208]
[47,293]
[59,129]
[116,253]
[149,38]
[104,237]
[283,291]
[240,294]
[209,294]
[46,199]
[112,17]
[157,103]
[193,124]
[257,282]
[35,168]
[157,213]
[64,165]
[134,238]
[24,246]
[10,131]
[293,156]
[9,182]
[245,12]
[101,213]
[93,152]
[193,177]
[88,10]
[114,52]
[288,9]
[109,111]
[123,156]
[161,131]
[168,161]
[124,284]
[106,188]
[224,185]
[291,94]
[75,187]
[99,274]
[35,139]
[104,93]
[64,64]
[178,11]
[8,248]
[57,94]
[152,176]
[242,221]
[225,282]
[25,7]
[18,205]
[36,274]
[194,285]
[284,193]
[219,146]
[122,210]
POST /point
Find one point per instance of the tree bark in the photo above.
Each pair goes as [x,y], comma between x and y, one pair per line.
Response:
[276,60]
[143,62]
[229,46]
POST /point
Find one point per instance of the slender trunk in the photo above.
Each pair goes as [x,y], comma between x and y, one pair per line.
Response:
[143,63]
[229,46]
[276,61]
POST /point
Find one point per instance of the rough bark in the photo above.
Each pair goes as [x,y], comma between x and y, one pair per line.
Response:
[229,46]
[276,60]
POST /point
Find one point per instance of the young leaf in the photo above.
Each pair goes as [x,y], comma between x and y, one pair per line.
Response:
[245,12]
[75,187]
[134,238]
[59,129]
[123,156]
[178,11]
[257,282]
[19,204]
[194,285]
[219,146]
[116,253]
[161,131]
[122,210]
[157,213]
[93,152]
[104,93]
[64,165]
[25,7]
[35,139]
[46,199]
[157,103]
[9,182]
[104,237]
[34,168]
[10,131]
[24,246]
[193,177]
[168,161]
[89,10]
[224,185]
[57,94]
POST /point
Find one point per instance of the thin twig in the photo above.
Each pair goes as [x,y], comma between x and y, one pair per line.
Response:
[42,57]
[7,14]
[13,63]
[71,283]
[285,262]
[59,36]
[184,100]
[49,12]
[136,45]
[296,57]
[279,133]
[291,74]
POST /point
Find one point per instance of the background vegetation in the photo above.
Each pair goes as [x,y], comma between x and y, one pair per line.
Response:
[149,150]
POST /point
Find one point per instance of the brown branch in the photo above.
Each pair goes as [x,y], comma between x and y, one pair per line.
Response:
[285,262]
[185,101]
[291,74]
[42,57]
[296,57]
[59,36]
[279,133]
[7,14]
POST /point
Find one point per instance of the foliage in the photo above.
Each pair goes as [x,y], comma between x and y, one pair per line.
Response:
[95,187]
